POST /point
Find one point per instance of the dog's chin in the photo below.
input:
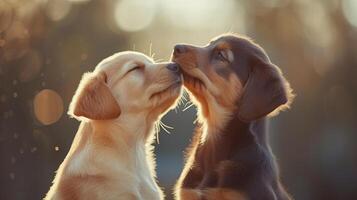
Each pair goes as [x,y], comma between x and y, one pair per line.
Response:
[167,96]
[194,84]
[192,79]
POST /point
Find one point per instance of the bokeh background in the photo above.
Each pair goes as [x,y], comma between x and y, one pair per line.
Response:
[46,45]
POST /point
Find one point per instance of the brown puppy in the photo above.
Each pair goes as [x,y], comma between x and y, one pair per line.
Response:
[235,87]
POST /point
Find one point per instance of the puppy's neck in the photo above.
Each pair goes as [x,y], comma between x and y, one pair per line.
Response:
[119,141]
[128,128]
[220,121]
[213,118]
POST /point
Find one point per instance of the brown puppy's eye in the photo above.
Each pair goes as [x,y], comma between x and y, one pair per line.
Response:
[221,55]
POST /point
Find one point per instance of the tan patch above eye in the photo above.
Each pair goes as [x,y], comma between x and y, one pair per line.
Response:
[223,46]
[226,48]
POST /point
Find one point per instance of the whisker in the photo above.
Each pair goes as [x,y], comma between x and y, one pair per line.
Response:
[230,29]
[184,95]
[150,50]
[157,130]
[134,49]
[180,101]
[187,103]
[195,121]
[159,60]
[186,108]
[165,127]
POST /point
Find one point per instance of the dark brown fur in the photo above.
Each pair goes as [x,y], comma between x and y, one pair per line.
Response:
[238,163]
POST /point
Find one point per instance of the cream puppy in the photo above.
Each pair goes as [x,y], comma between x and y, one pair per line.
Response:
[118,105]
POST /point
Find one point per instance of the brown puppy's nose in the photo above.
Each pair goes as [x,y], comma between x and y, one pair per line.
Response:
[179,49]
[174,67]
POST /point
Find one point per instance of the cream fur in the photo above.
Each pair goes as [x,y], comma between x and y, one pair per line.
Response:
[112,158]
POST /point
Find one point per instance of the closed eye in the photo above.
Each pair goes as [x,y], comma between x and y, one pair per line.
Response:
[135,68]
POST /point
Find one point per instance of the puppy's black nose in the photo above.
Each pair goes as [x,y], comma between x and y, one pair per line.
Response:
[179,49]
[174,67]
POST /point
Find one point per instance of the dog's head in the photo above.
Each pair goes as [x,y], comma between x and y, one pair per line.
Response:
[235,73]
[127,82]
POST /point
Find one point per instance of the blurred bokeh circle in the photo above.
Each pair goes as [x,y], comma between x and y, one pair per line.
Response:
[134,15]
[198,14]
[48,106]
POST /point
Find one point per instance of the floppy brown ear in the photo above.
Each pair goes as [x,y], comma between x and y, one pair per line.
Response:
[265,91]
[93,99]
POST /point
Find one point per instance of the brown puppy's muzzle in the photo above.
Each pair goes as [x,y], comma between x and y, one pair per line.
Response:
[186,56]
[191,60]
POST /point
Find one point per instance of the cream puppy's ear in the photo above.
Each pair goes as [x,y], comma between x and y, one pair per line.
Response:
[93,99]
